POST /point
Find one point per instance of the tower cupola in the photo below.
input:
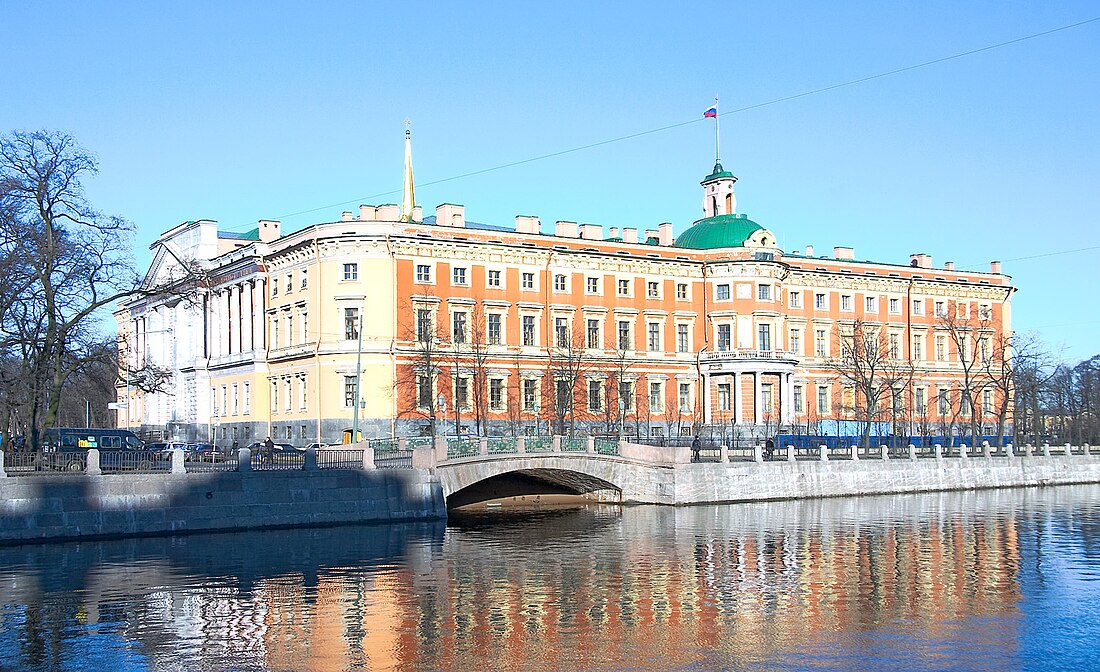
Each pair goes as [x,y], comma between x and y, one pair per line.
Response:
[718,196]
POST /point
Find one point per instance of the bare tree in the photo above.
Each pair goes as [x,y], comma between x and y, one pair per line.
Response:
[567,364]
[870,368]
[971,334]
[422,358]
[65,263]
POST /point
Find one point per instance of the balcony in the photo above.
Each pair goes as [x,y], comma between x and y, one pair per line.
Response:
[749,355]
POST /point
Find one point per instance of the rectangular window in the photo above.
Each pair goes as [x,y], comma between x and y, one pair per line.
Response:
[236,400]
[462,392]
[766,397]
[528,329]
[918,306]
[794,341]
[458,327]
[351,324]
[964,404]
[274,396]
[274,289]
[944,403]
[723,292]
[820,344]
[941,348]
[289,282]
[987,402]
[764,337]
[274,331]
[458,275]
[685,397]
[799,400]
[984,349]
[423,273]
[624,334]
[304,283]
[920,401]
[941,308]
[424,391]
[682,344]
[351,271]
[559,283]
[795,299]
[985,311]
[819,301]
[870,304]
[247,402]
[724,340]
[918,348]
[303,328]
[493,328]
[563,396]
[623,287]
[895,346]
[527,280]
[303,393]
[652,290]
[655,398]
[493,278]
[225,401]
[822,400]
[626,396]
[763,292]
[496,394]
[288,400]
[561,332]
[289,328]
[423,324]
[894,306]
[846,302]
[592,285]
[681,290]
[723,396]
[530,394]
[595,401]
[592,332]
[653,330]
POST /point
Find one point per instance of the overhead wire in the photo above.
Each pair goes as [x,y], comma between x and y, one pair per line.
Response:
[660,129]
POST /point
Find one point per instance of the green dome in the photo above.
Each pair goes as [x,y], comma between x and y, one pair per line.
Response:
[718,173]
[716,232]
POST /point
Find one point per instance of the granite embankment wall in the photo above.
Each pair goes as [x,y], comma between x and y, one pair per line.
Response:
[747,481]
[69,506]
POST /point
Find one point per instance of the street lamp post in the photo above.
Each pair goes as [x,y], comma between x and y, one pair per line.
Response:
[442,403]
[358,376]
[535,410]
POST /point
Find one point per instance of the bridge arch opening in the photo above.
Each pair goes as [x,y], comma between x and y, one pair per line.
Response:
[535,483]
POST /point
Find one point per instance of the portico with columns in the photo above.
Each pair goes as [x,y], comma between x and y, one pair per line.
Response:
[742,385]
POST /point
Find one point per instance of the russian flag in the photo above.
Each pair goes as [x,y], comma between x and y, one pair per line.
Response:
[712,111]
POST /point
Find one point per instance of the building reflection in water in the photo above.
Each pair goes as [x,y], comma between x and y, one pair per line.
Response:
[641,587]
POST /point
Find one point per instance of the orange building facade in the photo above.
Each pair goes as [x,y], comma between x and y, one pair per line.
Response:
[445,325]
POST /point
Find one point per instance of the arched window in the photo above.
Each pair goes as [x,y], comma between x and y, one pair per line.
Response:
[729,204]
[713,206]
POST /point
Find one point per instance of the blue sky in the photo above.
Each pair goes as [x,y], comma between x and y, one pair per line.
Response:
[243,111]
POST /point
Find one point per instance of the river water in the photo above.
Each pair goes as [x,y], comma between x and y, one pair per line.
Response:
[993,580]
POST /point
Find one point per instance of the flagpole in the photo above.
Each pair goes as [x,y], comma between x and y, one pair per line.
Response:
[717,154]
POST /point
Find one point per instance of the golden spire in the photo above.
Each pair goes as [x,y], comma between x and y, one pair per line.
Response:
[408,197]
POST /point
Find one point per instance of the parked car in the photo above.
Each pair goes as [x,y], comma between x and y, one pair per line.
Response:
[205,452]
[278,451]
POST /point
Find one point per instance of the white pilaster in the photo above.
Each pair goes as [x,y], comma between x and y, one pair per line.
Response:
[756,405]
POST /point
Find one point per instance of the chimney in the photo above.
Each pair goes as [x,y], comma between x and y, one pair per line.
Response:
[995,267]
[449,214]
[630,235]
[844,253]
[527,224]
[920,260]
[269,230]
[591,231]
[418,213]
[565,229]
[388,212]
[649,233]
[614,232]
[346,216]
[809,250]
[366,213]
[948,265]
[664,233]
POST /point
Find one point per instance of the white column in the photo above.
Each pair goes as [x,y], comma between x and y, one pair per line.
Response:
[756,386]
[259,295]
[735,401]
[249,335]
[785,394]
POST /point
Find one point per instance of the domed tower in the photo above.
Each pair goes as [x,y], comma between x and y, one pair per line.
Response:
[718,196]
